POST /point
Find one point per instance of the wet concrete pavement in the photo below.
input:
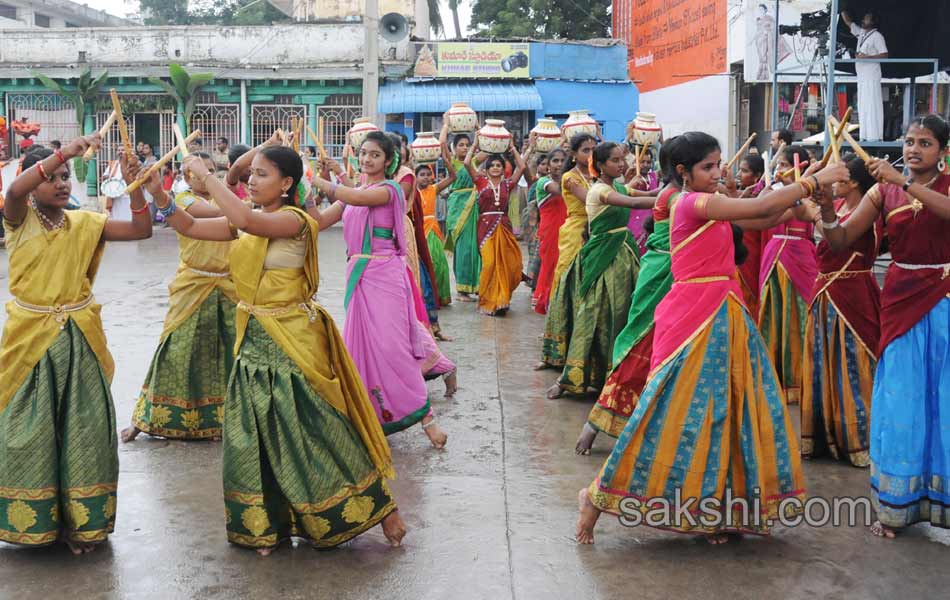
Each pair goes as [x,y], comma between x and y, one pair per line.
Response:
[490,517]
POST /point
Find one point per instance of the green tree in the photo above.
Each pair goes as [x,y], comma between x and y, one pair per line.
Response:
[165,12]
[435,17]
[184,89]
[542,19]
[210,12]
[84,95]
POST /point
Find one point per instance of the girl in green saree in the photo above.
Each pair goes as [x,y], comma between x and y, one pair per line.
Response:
[609,264]
[461,222]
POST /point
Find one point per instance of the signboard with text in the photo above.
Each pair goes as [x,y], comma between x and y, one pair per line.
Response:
[675,41]
[472,60]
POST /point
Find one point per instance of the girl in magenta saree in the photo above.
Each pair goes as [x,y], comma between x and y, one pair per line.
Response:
[391,347]
[711,424]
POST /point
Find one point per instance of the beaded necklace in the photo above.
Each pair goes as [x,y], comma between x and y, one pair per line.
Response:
[47,222]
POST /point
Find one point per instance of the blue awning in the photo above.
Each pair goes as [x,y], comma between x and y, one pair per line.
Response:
[438,96]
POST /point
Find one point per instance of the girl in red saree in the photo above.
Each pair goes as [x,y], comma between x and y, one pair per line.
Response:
[500,253]
[711,423]
[751,170]
[787,275]
[910,450]
[553,213]
[841,337]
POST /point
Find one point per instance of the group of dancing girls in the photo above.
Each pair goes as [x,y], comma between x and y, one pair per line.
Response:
[246,355]
[729,324]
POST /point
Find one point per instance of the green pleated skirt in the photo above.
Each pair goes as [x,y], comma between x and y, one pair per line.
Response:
[59,464]
[599,317]
[441,265]
[559,322]
[293,466]
[183,393]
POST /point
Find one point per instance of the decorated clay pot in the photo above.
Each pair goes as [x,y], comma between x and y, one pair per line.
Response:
[493,137]
[548,136]
[357,133]
[425,148]
[646,131]
[462,119]
[579,121]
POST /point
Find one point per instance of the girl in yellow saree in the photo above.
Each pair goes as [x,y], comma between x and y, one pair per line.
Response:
[58,460]
[183,394]
[304,455]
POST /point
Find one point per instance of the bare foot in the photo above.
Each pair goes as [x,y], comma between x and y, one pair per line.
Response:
[435,434]
[463,297]
[442,337]
[541,366]
[451,383]
[717,539]
[586,518]
[586,440]
[266,551]
[129,434]
[394,529]
[555,391]
[883,531]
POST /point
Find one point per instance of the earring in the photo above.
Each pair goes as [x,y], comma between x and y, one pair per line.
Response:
[942,165]
[284,195]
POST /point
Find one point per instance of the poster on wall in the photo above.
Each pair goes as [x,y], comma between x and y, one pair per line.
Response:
[675,41]
[472,60]
[795,51]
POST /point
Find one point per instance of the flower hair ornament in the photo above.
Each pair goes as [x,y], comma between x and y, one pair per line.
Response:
[591,168]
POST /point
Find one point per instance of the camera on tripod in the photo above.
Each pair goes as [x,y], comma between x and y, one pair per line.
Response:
[813,25]
[518,60]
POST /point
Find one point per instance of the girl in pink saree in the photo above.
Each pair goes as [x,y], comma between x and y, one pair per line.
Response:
[390,346]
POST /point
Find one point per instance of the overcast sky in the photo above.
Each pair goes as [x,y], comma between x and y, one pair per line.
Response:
[120,8]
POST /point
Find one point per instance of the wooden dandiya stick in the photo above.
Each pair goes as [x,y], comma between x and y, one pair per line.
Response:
[88,154]
[295,127]
[317,142]
[836,134]
[741,151]
[182,146]
[164,160]
[640,154]
[835,144]
[798,167]
[861,152]
[123,128]
[857,148]
[796,170]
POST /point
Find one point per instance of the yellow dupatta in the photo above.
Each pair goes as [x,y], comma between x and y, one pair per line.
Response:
[50,269]
[194,281]
[281,301]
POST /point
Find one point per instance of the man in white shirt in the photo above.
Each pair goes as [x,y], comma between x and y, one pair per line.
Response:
[870,103]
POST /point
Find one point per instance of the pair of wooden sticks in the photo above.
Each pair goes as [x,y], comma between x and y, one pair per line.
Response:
[839,133]
[166,158]
[115,117]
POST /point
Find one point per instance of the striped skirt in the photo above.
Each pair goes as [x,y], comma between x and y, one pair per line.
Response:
[838,375]
[710,424]
[782,316]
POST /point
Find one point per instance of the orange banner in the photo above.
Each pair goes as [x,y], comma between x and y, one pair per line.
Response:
[675,41]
